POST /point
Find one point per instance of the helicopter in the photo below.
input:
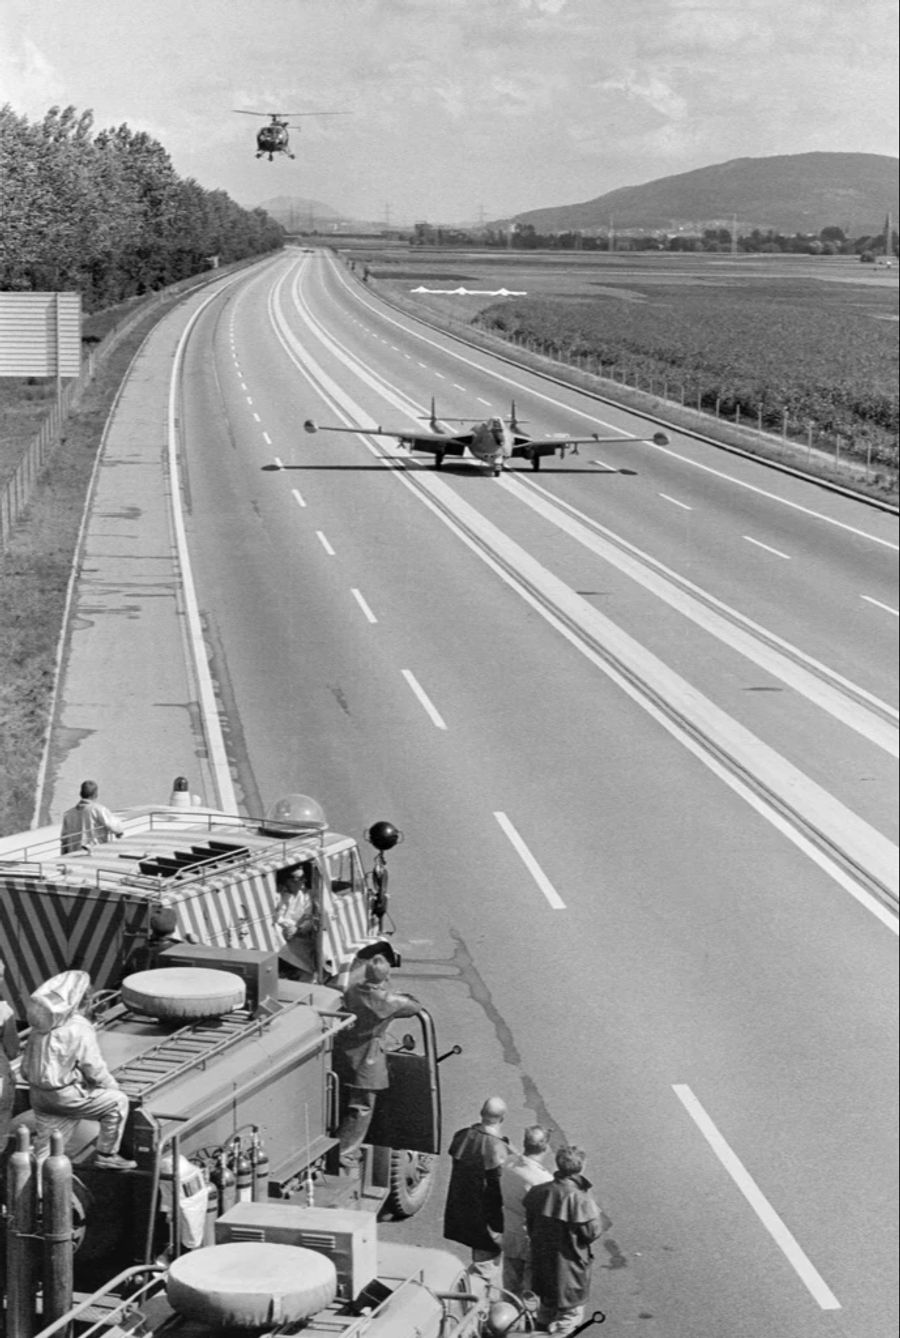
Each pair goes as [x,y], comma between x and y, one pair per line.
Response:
[273,138]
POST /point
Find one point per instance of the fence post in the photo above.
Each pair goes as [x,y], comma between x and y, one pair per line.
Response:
[737,415]
[718,402]
[784,417]
[837,450]
[868,457]
[759,418]
[809,432]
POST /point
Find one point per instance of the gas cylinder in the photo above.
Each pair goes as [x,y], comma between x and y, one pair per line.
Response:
[56,1202]
[212,1212]
[21,1214]
[222,1177]
[243,1172]
[259,1161]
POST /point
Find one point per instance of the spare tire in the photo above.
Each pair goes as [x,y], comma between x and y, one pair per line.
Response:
[183,992]
[250,1284]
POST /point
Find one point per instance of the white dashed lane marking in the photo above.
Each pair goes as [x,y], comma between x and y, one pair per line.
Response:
[878,604]
[783,1238]
[774,551]
[298,498]
[324,542]
[369,615]
[432,711]
[675,502]
[530,862]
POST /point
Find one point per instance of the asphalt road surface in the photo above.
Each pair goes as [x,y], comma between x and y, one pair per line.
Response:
[635,715]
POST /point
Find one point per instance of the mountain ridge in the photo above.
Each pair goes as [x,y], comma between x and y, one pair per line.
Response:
[801,192]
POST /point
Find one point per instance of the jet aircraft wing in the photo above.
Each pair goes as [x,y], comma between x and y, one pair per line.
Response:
[534,447]
[440,443]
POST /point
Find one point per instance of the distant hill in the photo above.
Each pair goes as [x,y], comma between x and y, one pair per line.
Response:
[292,212]
[798,192]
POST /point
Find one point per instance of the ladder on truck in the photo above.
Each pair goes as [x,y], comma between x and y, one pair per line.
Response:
[190,1047]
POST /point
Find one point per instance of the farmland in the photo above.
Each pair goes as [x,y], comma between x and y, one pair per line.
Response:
[769,340]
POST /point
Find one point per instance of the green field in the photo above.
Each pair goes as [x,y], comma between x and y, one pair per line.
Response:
[764,338]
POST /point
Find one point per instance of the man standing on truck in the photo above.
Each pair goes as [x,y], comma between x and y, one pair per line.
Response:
[66,1073]
[374,1005]
[89,823]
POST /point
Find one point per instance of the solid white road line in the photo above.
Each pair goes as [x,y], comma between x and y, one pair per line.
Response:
[434,714]
[530,863]
[363,605]
[675,502]
[783,1238]
[298,498]
[324,542]
[878,604]
[774,551]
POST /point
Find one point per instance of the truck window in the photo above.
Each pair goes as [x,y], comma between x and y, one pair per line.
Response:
[345,871]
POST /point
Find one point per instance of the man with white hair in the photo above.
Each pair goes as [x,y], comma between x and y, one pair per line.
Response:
[519,1173]
[473,1213]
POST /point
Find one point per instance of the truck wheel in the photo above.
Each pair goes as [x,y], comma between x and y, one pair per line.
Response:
[97,1216]
[411,1178]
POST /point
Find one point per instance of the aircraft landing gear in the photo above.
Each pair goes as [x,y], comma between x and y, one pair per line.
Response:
[439,459]
[535,462]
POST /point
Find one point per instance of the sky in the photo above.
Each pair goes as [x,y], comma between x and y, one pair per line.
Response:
[462,110]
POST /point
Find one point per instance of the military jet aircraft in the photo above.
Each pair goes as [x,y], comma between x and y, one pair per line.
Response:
[493,441]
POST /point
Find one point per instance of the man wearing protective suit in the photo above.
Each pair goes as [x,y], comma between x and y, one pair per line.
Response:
[66,1073]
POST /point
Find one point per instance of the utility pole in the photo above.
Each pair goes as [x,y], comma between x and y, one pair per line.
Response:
[734,235]
[611,244]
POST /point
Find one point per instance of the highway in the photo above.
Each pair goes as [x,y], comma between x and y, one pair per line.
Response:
[636,716]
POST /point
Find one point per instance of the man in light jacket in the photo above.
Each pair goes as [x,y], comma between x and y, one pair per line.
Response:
[519,1173]
[88,823]
[67,1075]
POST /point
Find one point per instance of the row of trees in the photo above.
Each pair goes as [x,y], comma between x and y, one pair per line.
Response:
[830,241]
[106,213]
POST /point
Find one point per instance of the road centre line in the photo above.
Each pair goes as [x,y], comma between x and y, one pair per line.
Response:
[878,604]
[324,542]
[432,711]
[256,416]
[675,502]
[457,386]
[278,462]
[783,1238]
[267,439]
[298,498]
[853,855]
[592,418]
[370,616]
[601,464]
[483,401]
[530,863]
[774,551]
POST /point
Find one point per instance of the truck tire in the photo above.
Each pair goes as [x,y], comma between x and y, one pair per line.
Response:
[183,992]
[250,1284]
[411,1179]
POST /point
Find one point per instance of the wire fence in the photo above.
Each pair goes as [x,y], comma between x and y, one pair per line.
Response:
[871,455]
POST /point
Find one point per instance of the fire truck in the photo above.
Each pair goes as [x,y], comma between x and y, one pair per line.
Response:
[245,1081]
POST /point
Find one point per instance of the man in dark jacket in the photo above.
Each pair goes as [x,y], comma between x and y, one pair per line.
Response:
[473,1213]
[374,1005]
[562,1220]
